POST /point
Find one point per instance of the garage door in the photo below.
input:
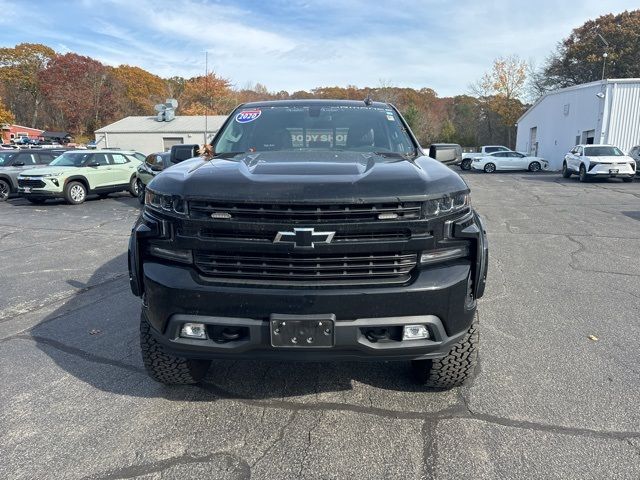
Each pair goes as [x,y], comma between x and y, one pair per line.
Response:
[168,142]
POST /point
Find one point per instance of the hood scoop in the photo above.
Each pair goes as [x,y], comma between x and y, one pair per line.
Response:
[321,163]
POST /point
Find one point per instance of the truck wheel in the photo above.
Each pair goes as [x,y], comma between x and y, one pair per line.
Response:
[566,173]
[75,193]
[5,190]
[164,367]
[583,174]
[455,368]
[466,164]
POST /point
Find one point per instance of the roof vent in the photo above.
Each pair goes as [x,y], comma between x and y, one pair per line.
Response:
[166,111]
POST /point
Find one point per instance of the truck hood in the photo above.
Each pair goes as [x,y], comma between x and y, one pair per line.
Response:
[300,177]
[39,172]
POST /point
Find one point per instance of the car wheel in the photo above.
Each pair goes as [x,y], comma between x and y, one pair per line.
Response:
[583,174]
[5,190]
[133,187]
[140,192]
[566,173]
[75,193]
[164,367]
[36,200]
[534,167]
[489,168]
[627,179]
[466,164]
[456,367]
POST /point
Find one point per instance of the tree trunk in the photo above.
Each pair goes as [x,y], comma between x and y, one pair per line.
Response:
[34,119]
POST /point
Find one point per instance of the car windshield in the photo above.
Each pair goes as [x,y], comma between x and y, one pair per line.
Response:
[70,159]
[307,128]
[603,151]
[5,158]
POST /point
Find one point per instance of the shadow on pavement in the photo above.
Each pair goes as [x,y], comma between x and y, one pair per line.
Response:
[97,330]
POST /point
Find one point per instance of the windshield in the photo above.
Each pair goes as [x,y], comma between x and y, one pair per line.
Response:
[70,159]
[5,158]
[604,151]
[315,128]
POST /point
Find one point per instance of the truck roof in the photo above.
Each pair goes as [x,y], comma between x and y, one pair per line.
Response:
[318,102]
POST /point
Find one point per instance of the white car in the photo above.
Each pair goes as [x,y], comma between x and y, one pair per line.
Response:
[508,161]
[598,161]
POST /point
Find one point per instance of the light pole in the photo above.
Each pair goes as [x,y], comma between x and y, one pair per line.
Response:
[605,54]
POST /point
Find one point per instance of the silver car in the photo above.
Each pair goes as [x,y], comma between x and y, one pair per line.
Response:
[13,162]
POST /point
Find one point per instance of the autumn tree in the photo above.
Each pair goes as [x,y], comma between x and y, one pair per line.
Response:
[20,69]
[501,89]
[579,57]
[80,88]
[5,114]
[138,90]
[207,94]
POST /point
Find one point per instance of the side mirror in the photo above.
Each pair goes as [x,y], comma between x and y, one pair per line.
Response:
[93,164]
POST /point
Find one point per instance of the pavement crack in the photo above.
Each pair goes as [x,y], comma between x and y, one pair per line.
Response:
[308,446]
[77,352]
[233,464]
[278,438]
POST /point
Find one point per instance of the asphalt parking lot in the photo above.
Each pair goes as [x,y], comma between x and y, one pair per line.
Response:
[548,401]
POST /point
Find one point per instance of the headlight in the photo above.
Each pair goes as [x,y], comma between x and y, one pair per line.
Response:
[166,203]
[447,204]
[51,175]
[476,159]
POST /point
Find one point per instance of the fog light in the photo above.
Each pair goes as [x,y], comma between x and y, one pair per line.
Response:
[415,332]
[443,255]
[194,330]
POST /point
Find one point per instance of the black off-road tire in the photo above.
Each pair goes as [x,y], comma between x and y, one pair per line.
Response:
[566,173]
[455,368]
[165,367]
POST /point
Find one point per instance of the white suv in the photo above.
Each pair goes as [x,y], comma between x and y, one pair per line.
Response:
[598,161]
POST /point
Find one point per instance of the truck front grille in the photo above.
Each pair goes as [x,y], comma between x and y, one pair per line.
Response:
[32,183]
[266,235]
[305,269]
[307,213]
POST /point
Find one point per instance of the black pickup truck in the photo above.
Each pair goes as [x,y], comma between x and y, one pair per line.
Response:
[313,230]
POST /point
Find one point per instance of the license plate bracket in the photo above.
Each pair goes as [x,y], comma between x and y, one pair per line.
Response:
[613,171]
[302,331]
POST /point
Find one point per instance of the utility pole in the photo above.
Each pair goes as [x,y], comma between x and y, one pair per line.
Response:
[206,79]
[605,54]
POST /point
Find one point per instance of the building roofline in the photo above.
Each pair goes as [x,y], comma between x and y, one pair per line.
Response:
[578,87]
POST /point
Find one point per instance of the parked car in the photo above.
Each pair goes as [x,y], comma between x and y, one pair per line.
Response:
[467,158]
[635,154]
[76,174]
[447,153]
[285,245]
[598,161]
[157,162]
[14,162]
[498,161]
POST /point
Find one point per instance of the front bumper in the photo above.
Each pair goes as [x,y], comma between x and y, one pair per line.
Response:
[49,190]
[443,297]
[605,170]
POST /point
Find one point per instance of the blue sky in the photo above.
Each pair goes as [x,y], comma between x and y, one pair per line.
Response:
[300,44]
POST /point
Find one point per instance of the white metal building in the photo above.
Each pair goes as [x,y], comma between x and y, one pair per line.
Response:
[147,135]
[599,112]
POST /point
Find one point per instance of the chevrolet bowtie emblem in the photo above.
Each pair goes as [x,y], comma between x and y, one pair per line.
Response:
[304,237]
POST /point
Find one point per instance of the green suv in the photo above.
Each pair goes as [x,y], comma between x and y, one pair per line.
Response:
[76,174]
